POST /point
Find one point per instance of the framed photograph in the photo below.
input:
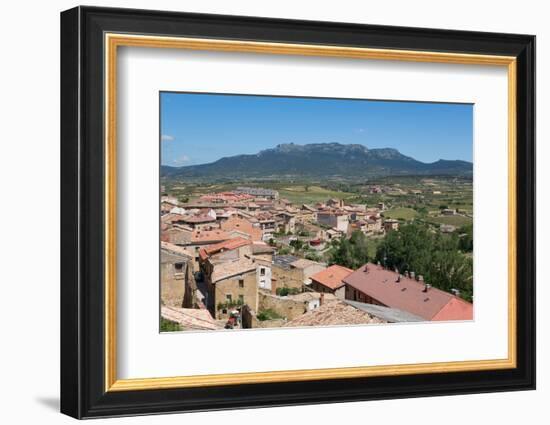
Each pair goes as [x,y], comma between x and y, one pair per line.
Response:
[261,212]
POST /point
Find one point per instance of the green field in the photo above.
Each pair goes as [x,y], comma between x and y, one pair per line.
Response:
[455,220]
[401,213]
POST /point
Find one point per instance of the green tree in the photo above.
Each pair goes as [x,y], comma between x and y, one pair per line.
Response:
[466,241]
[436,256]
[352,252]
[297,244]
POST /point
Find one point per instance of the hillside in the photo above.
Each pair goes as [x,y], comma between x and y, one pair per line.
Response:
[318,160]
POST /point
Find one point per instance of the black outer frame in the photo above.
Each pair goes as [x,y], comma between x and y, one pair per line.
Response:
[82,206]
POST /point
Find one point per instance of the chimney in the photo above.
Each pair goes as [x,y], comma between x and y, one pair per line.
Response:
[420,278]
[366,269]
[455,292]
[427,287]
[412,275]
[322,299]
[406,273]
[398,278]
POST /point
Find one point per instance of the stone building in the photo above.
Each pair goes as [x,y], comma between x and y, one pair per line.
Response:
[335,220]
[178,286]
[293,272]
[231,285]
[391,224]
[331,281]
[233,271]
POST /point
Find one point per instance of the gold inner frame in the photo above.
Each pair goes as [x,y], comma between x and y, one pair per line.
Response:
[113,41]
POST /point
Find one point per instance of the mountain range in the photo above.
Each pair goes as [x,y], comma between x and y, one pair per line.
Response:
[318,160]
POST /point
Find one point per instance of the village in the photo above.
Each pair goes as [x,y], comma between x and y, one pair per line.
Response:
[248,258]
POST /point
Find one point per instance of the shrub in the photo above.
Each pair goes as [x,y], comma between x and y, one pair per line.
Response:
[268,314]
[169,326]
[284,291]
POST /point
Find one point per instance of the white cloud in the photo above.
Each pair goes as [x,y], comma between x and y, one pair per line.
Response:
[182,160]
[167,138]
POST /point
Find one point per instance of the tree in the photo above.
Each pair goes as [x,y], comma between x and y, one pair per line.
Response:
[352,252]
[435,256]
[297,244]
[466,241]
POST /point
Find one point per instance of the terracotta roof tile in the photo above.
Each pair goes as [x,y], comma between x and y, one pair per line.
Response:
[227,245]
[214,235]
[332,277]
[197,219]
[332,314]
[408,294]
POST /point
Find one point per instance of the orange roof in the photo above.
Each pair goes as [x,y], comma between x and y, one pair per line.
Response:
[197,219]
[243,225]
[214,235]
[227,245]
[332,276]
[408,295]
[455,309]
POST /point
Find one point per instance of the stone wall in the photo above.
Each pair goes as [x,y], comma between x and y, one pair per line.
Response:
[250,321]
[284,306]
[290,278]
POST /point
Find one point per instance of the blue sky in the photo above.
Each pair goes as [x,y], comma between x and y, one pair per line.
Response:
[201,128]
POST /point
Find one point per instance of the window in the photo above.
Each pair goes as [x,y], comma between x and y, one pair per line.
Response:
[241,299]
[241,283]
[262,271]
[228,297]
[178,267]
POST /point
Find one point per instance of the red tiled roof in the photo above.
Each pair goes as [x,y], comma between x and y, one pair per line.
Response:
[209,235]
[408,294]
[455,309]
[198,219]
[227,245]
[264,216]
[332,277]
[171,217]
[243,225]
